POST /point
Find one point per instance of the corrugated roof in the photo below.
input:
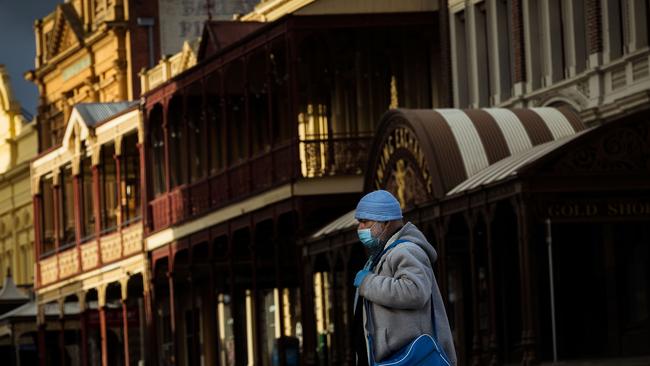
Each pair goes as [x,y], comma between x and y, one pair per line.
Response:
[10,292]
[460,143]
[29,310]
[344,222]
[93,113]
[511,165]
[468,148]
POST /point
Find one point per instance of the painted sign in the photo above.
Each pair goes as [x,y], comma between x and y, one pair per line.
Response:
[598,209]
[182,20]
[76,68]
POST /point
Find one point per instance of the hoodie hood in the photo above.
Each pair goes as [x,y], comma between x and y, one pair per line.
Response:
[412,234]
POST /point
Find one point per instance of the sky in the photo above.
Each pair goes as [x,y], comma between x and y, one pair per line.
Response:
[18,44]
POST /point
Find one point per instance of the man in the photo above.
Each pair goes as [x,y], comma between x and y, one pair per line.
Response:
[400,288]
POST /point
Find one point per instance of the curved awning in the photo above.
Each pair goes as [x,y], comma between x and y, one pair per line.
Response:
[457,144]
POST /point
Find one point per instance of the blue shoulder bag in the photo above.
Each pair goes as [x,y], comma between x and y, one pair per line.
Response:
[423,350]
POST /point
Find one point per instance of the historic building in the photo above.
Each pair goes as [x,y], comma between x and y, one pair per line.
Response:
[18,144]
[90,51]
[538,211]
[91,265]
[265,139]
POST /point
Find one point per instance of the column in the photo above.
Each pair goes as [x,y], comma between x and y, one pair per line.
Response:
[125,321]
[172,315]
[101,307]
[150,350]
[470,220]
[528,336]
[83,328]
[62,332]
[493,345]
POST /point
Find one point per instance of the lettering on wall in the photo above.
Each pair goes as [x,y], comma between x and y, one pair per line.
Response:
[182,20]
[598,209]
[77,67]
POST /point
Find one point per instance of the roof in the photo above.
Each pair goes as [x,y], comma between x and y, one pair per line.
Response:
[29,310]
[93,113]
[218,34]
[465,149]
[11,293]
[342,223]
[511,165]
[458,144]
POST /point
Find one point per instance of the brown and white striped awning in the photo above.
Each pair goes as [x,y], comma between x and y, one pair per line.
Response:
[460,143]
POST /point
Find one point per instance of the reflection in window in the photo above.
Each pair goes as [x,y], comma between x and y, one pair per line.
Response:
[226,330]
[88,214]
[66,206]
[108,191]
[47,215]
[130,179]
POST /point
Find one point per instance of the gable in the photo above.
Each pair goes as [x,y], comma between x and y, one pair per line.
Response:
[67,32]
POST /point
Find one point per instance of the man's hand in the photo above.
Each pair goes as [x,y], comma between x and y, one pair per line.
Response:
[358,279]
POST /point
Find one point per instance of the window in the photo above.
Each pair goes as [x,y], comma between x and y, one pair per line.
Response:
[258,102]
[88,214]
[459,63]
[48,241]
[108,189]
[196,131]
[280,94]
[157,151]
[67,207]
[482,78]
[130,179]
[177,148]
[235,104]
[215,125]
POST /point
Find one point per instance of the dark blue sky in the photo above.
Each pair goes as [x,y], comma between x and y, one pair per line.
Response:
[17,44]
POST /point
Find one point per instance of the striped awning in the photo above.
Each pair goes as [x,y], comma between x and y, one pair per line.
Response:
[459,143]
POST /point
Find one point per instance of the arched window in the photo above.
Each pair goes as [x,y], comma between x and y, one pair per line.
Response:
[196,132]
[235,117]
[130,179]
[48,235]
[215,127]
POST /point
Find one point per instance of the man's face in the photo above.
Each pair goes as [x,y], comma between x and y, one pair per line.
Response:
[375,227]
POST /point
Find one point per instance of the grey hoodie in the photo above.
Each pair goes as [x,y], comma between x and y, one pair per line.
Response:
[399,292]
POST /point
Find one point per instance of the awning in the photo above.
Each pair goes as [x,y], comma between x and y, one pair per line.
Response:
[509,166]
[344,222]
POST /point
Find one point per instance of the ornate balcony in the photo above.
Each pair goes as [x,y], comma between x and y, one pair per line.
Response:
[306,159]
[91,255]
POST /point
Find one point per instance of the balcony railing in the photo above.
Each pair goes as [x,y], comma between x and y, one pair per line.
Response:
[74,260]
[305,159]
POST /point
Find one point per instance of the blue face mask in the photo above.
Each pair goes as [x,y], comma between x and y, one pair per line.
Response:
[366,238]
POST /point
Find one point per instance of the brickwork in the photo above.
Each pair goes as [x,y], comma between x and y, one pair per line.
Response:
[518,48]
[594,26]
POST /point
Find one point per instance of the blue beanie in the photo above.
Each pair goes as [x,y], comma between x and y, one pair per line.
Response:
[378,206]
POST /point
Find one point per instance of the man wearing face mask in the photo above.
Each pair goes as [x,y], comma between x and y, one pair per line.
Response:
[397,283]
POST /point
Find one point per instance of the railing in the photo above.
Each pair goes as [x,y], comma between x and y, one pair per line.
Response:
[308,159]
[73,260]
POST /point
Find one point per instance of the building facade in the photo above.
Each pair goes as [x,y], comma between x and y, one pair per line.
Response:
[90,51]
[18,144]
[537,242]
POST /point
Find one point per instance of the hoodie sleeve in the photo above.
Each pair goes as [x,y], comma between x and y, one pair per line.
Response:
[410,285]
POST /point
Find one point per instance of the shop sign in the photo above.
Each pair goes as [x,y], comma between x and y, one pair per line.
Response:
[113,317]
[611,209]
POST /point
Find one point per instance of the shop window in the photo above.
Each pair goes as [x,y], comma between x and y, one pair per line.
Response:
[67,207]
[226,324]
[47,216]
[108,188]
[130,179]
[88,214]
